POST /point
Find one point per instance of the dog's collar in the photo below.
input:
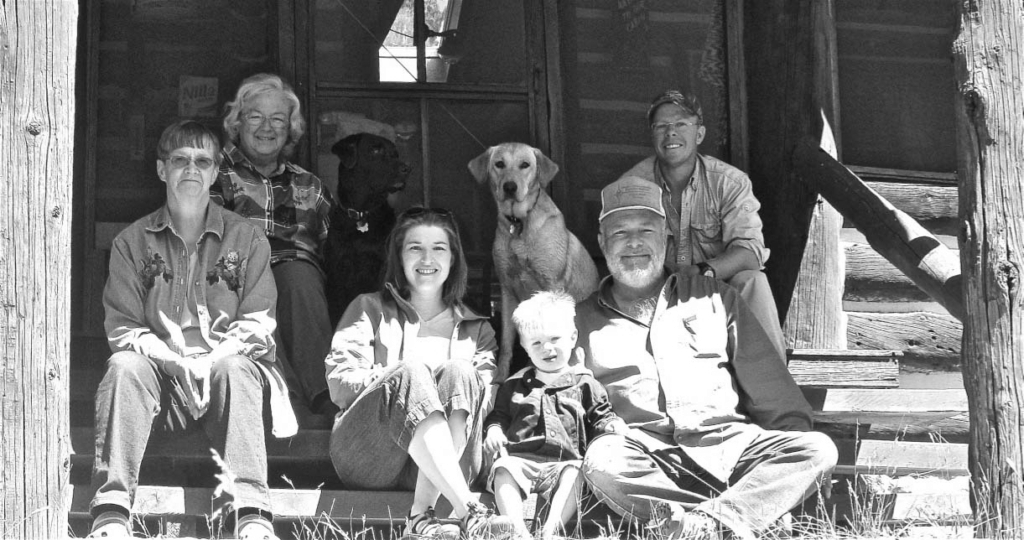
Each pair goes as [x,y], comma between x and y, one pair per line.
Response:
[359,216]
[515,225]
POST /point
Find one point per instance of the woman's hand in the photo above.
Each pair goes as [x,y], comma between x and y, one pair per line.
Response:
[495,441]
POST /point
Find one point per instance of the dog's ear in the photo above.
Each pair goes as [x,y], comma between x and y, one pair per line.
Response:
[348,150]
[478,166]
[546,169]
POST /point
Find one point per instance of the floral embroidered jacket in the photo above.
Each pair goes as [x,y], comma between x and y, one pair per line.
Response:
[145,295]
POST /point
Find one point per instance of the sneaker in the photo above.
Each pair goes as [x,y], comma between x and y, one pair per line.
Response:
[111,524]
[671,522]
[426,525]
[482,523]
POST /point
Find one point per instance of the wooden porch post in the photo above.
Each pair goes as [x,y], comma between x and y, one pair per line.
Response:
[790,49]
[37,109]
[989,64]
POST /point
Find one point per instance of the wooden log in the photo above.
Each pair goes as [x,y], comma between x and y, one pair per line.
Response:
[871,278]
[989,107]
[38,40]
[891,232]
[917,335]
[844,368]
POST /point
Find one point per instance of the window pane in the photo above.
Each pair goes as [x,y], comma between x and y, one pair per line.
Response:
[896,84]
[361,41]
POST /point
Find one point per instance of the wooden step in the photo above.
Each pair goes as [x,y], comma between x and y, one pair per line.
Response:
[824,368]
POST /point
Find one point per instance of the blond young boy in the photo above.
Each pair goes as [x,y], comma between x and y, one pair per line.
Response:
[544,416]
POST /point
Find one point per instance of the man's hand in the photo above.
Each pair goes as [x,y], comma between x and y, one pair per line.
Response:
[495,440]
[617,426]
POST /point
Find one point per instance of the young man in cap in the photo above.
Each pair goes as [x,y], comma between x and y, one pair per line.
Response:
[719,441]
[712,212]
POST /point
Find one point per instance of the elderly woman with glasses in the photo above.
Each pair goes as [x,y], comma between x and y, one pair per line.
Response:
[263,124]
[410,368]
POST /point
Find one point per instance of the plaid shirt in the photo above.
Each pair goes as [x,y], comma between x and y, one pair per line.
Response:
[291,206]
[718,210]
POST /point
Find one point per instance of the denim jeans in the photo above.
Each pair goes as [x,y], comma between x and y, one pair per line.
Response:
[754,288]
[777,471]
[135,397]
[370,441]
[303,327]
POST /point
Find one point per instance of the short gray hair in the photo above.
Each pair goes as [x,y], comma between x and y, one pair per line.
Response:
[258,85]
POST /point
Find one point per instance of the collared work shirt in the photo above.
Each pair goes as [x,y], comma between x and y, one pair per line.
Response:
[291,207]
[702,375]
[557,420]
[718,211]
[146,296]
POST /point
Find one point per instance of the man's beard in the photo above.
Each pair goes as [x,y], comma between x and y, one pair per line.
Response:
[637,277]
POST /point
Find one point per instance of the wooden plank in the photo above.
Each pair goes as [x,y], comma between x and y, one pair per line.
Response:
[896,402]
[878,174]
[871,278]
[917,335]
[829,368]
[899,458]
[845,373]
[891,232]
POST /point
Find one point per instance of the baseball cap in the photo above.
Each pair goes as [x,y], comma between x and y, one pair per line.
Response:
[688,102]
[631,193]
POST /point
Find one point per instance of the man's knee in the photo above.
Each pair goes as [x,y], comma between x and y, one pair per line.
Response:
[234,367]
[821,451]
[746,279]
[459,371]
[128,364]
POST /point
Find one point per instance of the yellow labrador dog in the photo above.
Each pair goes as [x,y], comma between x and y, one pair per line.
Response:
[533,251]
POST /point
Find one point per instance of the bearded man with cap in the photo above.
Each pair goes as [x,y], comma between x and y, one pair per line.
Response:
[719,441]
[712,212]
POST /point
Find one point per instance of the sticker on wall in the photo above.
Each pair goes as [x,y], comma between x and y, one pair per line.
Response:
[197,97]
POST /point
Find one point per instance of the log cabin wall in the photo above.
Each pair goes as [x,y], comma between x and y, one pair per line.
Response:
[896,92]
[143,64]
[618,55]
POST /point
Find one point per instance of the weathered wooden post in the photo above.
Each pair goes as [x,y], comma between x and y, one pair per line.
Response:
[989,64]
[790,49]
[37,108]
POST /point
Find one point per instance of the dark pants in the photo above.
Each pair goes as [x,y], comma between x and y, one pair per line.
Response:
[370,442]
[135,397]
[303,327]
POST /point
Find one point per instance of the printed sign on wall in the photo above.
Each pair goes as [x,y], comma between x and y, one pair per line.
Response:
[197,97]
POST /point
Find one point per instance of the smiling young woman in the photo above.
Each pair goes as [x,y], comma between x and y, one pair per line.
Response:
[411,368]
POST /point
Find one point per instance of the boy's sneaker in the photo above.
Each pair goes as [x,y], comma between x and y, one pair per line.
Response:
[426,525]
[481,523]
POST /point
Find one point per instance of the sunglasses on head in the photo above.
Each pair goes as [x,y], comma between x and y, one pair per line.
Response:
[422,210]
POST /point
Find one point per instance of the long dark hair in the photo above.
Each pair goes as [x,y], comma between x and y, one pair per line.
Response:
[454,288]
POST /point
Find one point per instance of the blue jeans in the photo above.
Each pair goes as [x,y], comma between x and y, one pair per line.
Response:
[776,472]
[753,287]
[370,441]
[303,327]
[135,397]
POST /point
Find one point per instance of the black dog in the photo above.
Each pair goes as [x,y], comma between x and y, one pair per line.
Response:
[370,170]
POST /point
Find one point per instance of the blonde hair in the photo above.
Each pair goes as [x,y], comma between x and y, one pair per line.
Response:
[543,306]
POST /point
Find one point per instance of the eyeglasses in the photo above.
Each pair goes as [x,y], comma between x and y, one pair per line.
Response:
[662,128]
[180,162]
[255,119]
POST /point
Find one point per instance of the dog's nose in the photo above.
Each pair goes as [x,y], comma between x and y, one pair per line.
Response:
[509,188]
